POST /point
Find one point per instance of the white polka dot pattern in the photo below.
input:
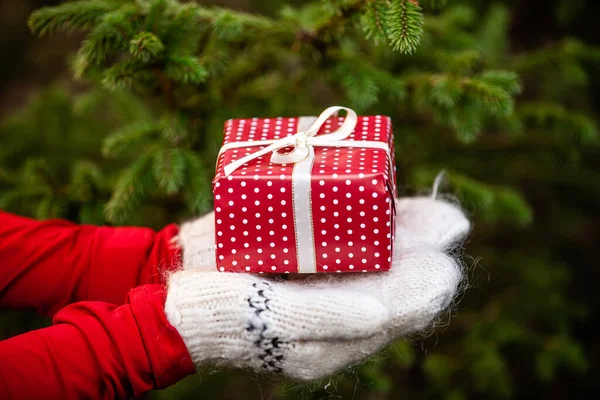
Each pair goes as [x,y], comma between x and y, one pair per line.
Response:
[352,196]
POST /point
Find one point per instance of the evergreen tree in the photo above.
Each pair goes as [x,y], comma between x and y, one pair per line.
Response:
[509,127]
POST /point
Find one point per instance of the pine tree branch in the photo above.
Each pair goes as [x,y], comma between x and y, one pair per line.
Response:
[129,139]
[186,70]
[68,16]
[405,22]
[132,187]
[169,169]
[556,119]
[373,21]
[146,47]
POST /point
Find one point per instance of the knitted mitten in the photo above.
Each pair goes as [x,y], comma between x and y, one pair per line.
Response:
[310,328]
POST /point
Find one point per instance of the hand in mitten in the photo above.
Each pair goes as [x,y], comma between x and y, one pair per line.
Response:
[309,328]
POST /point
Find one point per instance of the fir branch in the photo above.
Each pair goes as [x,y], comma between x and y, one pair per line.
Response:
[129,139]
[122,109]
[558,120]
[361,89]
[185,69]
[92,213]
[48,207]
[496,204]
[68,16]
[467,121]
[185,31]
[126,75]
[457,61]
[146,47]
[493,98]
[131,188]
[493,37]
[229,25]
[459,16]
[110,36]
[226,26]
[446,91]
[174,128]
[404,25]
[169,169]
[317,26]
[364,84]
[507,80]
[464,103]
[448,28]
[11,198]
[21,196]
[197,194]
[509,205]
[373,21]
[568,52]
[156,20]
[36,173]
[85,176]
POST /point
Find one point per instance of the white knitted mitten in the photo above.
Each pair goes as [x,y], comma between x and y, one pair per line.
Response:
[310,328]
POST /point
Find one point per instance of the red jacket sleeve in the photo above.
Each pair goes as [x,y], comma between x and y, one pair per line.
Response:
[97,351]
[45,265]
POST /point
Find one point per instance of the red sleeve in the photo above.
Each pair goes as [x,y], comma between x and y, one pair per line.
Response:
[46,265]
[96,350]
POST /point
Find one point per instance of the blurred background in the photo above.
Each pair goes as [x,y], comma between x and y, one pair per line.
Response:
[504,96]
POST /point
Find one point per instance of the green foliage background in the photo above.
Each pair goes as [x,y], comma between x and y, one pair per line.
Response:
[119,120]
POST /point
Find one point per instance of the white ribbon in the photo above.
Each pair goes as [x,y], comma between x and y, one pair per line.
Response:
[300,141]
[301,201]
[303,156]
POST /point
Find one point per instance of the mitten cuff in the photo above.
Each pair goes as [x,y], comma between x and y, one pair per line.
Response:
[197,242]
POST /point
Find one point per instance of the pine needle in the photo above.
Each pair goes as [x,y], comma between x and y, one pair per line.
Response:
[404,26]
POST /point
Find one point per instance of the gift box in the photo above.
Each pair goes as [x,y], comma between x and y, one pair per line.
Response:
[305,194]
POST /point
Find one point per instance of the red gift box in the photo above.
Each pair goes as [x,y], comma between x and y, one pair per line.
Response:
[305,194]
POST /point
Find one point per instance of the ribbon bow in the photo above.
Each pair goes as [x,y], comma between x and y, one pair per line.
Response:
[301,141]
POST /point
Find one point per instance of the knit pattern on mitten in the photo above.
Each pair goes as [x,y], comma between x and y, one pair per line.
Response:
[244,321]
